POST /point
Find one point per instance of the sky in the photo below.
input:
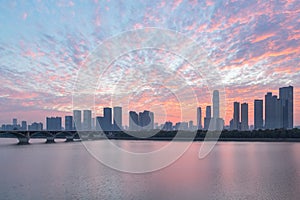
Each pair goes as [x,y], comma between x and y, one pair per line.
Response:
[254,45]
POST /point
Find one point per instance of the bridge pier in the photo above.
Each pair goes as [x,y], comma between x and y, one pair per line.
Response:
[23,140]
[50,140]
[69,139]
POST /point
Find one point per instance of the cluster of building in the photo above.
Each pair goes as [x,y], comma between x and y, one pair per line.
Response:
[278,114]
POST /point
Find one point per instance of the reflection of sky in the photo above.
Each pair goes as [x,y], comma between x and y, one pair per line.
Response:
[254,43]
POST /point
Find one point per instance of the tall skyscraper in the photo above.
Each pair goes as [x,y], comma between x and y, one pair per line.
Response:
[24,126]
[244,117]
[236,115]
[207,117]
[216,104]
[145,120]
[15,122]
[87,120]
[286,94]
[77,119]
[107,126]
[68,123]
[117,112]
[269,110]
[151,114]
[199,118]
[258,114]
[53,123]
[133,121]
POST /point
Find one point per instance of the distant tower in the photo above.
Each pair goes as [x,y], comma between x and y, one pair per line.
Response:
[133,121]
[87,120]
[244,117]
[216,104]
[107,119]
[269,111]
[287,99]
[77,119]
[24,125]
[236,115]
[117,112]
[199,118]
[68,123]
[258,114]
[53,123]
[151,114]
[15,122]
[207,117]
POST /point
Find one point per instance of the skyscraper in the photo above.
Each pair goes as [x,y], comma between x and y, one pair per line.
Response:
[269,111]
[107,126]
[258,114]
[199,118]
[151,114]
[133,121]
[207,117]
[24,126]
[145,120]
[244,117]
[68,123]
[53,123]
[117,112]
[87,120]
[216,104]
[236,116]
[77,119]
[287,100]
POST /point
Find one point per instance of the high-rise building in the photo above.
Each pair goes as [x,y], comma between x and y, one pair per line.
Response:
[287,100]
[77,119]
[87,120]
[151,114]
[117,111]
[68,123]
[216,104]
[53,123]
[145,121]
[207,117]
[258,114]
[236,116]
[269,110]
[244,117]
[133,121]
[35,126]
[107,126]
[199,118]
[24,126]
[15,122]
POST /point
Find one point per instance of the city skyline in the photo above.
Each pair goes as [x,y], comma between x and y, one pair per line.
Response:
[271,113]
[253,44]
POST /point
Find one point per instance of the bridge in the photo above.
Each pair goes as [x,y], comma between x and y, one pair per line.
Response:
[50,136]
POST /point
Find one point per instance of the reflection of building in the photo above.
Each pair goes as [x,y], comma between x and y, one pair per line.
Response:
[117,111]
[244,117]
[287,100]
[87,120]
[133,121]
[68,123]
[199,118]
[258,114]
[77,119]
[53,123]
